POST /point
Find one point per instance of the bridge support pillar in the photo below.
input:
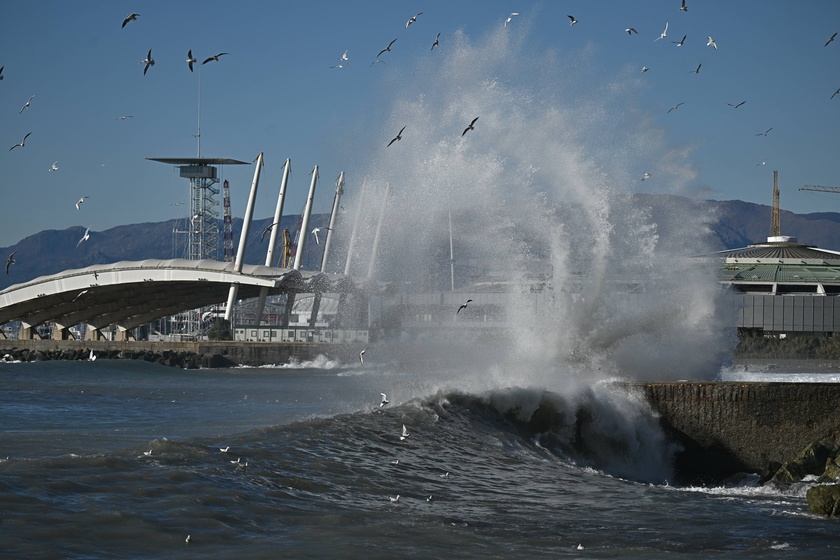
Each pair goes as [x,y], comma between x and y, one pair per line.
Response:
[93,333]
[60,332]
[26,331]
[123,334]
[287,312]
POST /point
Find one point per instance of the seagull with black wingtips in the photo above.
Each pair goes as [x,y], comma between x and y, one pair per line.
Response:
[397,137]
[213,58]
[471,126]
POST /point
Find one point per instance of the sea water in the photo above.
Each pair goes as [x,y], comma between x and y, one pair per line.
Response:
[123,459]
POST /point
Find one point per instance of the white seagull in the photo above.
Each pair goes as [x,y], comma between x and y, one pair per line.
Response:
[315,233]
[147,453]
[711,43]
[394,499]
[26,105]
[10,261]
[404,433]
[188,539]
[645,69]
[191,60]
[463,306]
[344,57]
[22,142]
[54,166]
[397,137]
[384,399]
[412,19]
[362,356]
[646,176]
[148,61]
[572,20]
[386,49]
[683,7]
[266,230]
[663,34]
[631,30]
[510,17]
[436,42]
[215,58]
[123,117]
[470,126]
[681,42]
[80,202]
[80,294]
[131,17]
[92,357]
[445,475]
[85,237]
[224,449]
[395,462]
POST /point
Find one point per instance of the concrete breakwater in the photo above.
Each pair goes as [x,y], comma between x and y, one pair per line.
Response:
[730,427]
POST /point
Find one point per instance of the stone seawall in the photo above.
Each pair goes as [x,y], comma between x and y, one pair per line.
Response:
[730,427]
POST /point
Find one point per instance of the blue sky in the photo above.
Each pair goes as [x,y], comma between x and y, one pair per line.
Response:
[276,93]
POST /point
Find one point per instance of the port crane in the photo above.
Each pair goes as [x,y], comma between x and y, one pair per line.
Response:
[820,188]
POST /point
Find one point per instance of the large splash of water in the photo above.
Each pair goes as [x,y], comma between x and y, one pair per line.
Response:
[544,184]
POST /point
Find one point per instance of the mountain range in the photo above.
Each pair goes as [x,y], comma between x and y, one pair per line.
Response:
[735,224]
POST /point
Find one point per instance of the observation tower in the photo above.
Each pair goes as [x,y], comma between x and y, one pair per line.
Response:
[203,234]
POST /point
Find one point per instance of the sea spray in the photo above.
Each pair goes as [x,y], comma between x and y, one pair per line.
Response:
[541,194]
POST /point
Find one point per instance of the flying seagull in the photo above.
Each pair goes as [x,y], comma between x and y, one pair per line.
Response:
[11,260]
[463,306]
[835,93]
[646,175]
[645,69]
[266,230]
[54,166]
[404,433]
[80,294]
[214,57]
[677,106]
[188,539]
[830,39]
[362,356]
[735,106]
[631,30]
[386,49]
[344,57]
[123,117]
[412,19]
[510,17]
[22,142]
[470,126]
[436,43]
[663,34]
[397,137]
[1,72]
[26,105]
[85,237]
[224,449]
[572,20]
[131,17]
[697,70]
[315,233]
[149,61]
[384,399]
[711,42]
[80,202]
[377,62]
[683,7]
[680,42]
[190,59]
[765,132]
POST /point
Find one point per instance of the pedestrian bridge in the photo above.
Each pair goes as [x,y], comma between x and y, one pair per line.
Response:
[129,294]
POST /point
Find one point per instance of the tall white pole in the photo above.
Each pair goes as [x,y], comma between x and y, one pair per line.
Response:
[356,221]
[339,190]
[304,227]
[243,237]
[451,254]
[269,254]
[376,237]
[278,214]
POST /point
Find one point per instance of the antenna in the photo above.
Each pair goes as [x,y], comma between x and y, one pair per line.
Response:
[198,132]
[775,227]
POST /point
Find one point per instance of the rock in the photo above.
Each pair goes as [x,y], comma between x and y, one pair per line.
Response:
[824,500]
[811,461]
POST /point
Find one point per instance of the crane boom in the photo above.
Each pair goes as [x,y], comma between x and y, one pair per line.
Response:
[819,188]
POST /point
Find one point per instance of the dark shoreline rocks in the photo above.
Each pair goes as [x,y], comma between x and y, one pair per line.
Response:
[171,358]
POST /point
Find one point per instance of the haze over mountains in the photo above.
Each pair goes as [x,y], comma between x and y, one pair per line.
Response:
[736,224]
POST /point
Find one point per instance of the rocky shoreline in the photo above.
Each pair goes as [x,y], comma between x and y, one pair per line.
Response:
[172,358]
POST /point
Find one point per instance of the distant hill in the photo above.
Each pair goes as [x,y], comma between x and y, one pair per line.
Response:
[737,224]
